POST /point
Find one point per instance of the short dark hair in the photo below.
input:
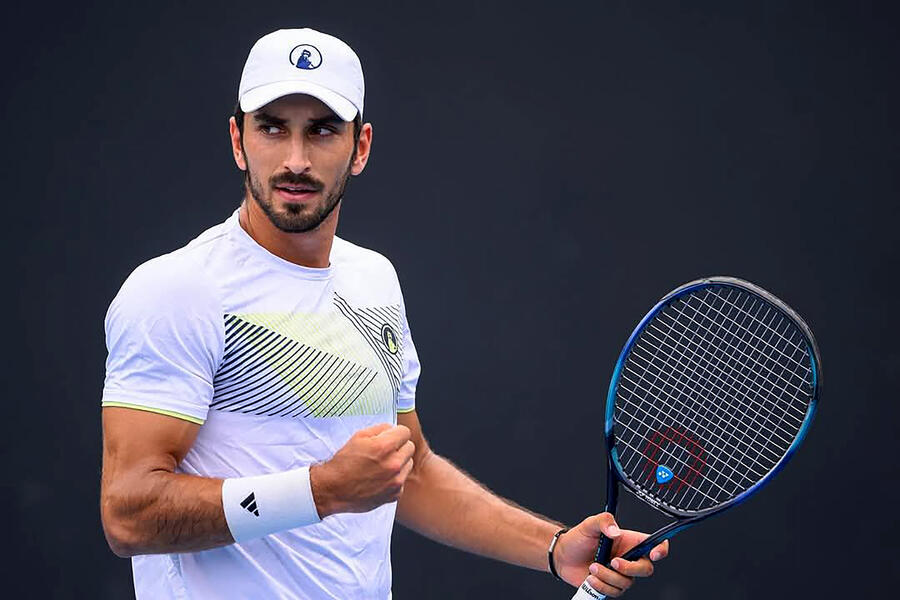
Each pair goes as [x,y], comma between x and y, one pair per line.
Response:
[239,119]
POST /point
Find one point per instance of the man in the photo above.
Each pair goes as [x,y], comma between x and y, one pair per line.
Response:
[260,432]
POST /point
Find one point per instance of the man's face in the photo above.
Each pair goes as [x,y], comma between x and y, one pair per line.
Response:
[298,156]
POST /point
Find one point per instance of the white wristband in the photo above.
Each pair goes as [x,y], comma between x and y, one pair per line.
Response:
[264,504]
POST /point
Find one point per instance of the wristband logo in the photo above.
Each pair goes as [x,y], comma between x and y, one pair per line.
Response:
[305,57]
[389,337]
[250,504]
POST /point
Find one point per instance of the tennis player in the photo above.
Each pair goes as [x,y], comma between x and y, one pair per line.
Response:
[259,423]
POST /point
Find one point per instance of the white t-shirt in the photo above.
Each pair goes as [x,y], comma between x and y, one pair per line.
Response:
[280,364]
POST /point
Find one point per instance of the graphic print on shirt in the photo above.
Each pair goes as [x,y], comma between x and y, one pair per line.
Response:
[374,324]
[309,365]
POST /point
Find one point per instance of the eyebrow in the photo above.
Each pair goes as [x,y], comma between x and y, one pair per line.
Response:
[264,117]
[331,119]
[269,119]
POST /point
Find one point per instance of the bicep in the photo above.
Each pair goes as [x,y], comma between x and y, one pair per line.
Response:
[137,442]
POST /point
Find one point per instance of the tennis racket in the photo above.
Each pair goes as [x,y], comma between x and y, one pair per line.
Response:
[710,397]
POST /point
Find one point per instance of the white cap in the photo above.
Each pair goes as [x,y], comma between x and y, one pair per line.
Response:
[303,61]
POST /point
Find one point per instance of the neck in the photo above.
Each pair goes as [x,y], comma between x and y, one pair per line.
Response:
[307,249]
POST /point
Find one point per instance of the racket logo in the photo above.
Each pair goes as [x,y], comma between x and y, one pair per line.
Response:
[672,455]
[664,474]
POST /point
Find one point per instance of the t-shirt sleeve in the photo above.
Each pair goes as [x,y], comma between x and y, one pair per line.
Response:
[406,397]
[165,337]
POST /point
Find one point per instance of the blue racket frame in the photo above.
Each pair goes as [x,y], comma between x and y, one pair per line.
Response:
[615,472]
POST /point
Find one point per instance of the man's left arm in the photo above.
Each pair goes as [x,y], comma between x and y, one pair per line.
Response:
[445,504]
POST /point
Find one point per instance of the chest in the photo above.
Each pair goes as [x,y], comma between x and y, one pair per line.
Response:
[336,360]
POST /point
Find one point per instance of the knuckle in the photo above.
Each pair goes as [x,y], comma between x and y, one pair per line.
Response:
[383,448]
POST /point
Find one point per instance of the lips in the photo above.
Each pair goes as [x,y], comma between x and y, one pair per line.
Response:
[295,192]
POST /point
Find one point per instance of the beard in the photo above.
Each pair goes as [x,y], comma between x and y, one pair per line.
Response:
[296,218]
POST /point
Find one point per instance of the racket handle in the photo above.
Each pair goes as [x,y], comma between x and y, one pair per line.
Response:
[586,592]
[604,550]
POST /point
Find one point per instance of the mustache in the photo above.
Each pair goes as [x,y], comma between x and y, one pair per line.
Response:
[297,179]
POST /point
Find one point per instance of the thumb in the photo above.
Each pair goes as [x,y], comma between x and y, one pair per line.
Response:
[604,523]
[373,430]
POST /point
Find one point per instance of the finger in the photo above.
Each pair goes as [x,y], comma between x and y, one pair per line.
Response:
[603,523]
[401,479]
[603,587]
[406,470]
[633,568]
[610,577]
[660,551]
[395,437]
[407,450]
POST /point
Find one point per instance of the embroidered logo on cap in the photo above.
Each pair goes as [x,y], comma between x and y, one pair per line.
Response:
[306,57]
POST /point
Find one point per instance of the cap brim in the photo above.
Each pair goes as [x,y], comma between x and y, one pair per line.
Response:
[260,96]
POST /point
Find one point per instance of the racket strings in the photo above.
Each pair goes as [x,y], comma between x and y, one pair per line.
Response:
[711,396]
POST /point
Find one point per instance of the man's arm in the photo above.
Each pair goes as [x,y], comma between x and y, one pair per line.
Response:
[446,505]
[147,508]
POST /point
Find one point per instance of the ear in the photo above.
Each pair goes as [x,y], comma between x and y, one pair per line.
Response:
[236,149]
[362,149]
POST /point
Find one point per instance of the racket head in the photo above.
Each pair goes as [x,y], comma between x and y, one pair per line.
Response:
[698,436]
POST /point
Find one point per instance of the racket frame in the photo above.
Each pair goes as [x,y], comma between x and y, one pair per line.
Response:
[615,473]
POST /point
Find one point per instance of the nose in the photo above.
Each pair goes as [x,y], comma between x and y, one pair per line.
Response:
[297,159]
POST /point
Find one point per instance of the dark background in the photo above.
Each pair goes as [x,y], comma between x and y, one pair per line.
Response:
[541,174]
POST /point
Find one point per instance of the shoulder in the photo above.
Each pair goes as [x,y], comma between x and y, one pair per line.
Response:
[174,277]
[348,255]
[181,277]
[174,284]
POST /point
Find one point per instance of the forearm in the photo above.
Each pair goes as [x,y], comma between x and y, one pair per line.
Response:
[163,512]
[446,505]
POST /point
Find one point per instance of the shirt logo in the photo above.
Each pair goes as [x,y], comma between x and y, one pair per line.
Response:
[306,57]
[389,337]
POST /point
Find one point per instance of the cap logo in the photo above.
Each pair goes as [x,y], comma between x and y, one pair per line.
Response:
[306,57]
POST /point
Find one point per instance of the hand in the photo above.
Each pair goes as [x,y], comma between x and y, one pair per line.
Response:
[575,550]
[368,471]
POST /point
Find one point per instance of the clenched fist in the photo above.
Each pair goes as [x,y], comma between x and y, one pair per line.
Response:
[368,471]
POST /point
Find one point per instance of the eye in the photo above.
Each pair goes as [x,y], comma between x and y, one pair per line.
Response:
[270,129]
[323,130]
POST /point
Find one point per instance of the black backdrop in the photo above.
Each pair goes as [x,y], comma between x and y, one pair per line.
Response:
[541,173]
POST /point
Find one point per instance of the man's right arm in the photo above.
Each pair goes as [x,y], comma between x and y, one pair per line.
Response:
[148,508]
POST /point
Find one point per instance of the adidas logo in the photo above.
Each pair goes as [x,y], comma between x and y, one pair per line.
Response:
[250,504]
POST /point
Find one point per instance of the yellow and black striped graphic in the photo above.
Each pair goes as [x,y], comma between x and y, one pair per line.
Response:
[310,365]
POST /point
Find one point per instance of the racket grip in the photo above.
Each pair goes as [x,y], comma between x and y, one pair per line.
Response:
[586,592]
[604,550]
